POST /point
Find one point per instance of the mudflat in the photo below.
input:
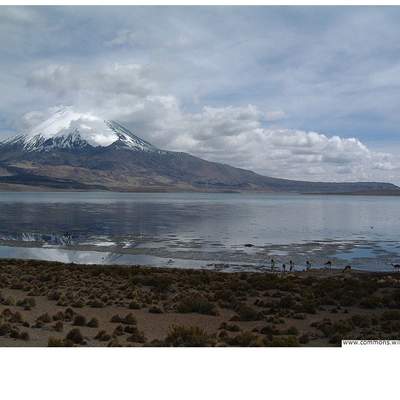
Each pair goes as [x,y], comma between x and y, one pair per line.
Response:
[54,304]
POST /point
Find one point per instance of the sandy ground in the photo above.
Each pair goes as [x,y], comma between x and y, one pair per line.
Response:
[47,303]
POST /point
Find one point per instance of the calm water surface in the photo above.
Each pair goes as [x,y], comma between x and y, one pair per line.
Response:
[196,226]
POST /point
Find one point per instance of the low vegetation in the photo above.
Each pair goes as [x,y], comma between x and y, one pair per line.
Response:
[100,306]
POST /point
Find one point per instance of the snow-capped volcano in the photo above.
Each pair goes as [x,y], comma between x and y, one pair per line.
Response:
[68,129]
[81,151]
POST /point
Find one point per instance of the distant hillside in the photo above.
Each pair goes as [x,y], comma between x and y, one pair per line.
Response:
[64,153]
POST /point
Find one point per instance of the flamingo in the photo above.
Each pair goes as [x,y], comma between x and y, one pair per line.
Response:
[284,267]
[329,265]
[291,264]
[347,268]
[308,264]
[272,265]
[396,267]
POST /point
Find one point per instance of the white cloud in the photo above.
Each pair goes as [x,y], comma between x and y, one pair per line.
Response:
[18,15]
[224,135]
[113,79]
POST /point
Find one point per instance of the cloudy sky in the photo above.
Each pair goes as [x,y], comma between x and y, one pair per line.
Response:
[306,93]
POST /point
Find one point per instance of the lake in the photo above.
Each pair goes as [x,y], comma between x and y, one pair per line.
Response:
[201,230]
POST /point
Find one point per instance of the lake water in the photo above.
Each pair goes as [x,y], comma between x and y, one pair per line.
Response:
[202,230]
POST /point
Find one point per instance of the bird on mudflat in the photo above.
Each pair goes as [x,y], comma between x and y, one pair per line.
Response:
[347,268]
[329,264]
[396,267]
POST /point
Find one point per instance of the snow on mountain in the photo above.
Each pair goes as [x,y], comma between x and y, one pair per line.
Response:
[68,129]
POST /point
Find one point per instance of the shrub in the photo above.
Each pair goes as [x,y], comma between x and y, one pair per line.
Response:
[192,336]
[79,320]
[392,315]
[304,339]
[130,329]
[96,303]
[58,326]
[134,305]
[155,310]
[342,327]
[136,337]
[361,321]
[244,339]
[58,316]
[371,302]
[229,327]
[114,343]
[68,314]
[160,283]
[246,313]
[77,303]
[9,301]
[24,336]
[223,334]
[348,300]
[335,339]
[54,295]
[118,331]
[390,326]
[44,318]
[55,342]
[292,330]
[16,318]
[27,303]
[116,319]
[282,341]
[286,302]
[196,304]
[93,323]
[75,336]
[5,329]
[103,336]
[307,307]
[325,326]
[6,313]
[129,320]
[224,295]
[269,330]
[14,333]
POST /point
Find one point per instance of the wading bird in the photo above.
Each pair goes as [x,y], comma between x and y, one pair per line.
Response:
[347,268]
[329,265]
[396,267]
[291,266]
[308,265]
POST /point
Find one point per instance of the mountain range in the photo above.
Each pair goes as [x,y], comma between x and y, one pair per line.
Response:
[78,151]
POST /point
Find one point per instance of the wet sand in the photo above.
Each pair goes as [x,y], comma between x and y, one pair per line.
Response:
[55,304]
[198,254]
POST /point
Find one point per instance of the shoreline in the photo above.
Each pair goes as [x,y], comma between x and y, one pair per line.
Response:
[16,188]
[364,255]
[55,304]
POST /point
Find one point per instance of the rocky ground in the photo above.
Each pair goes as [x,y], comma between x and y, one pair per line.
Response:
[54,304]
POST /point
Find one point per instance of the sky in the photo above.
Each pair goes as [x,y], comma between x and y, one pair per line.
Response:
[294,92]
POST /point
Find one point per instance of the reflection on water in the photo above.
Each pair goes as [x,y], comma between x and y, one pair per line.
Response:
[106,258]
[64,239]
[192,222]
[355,253]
